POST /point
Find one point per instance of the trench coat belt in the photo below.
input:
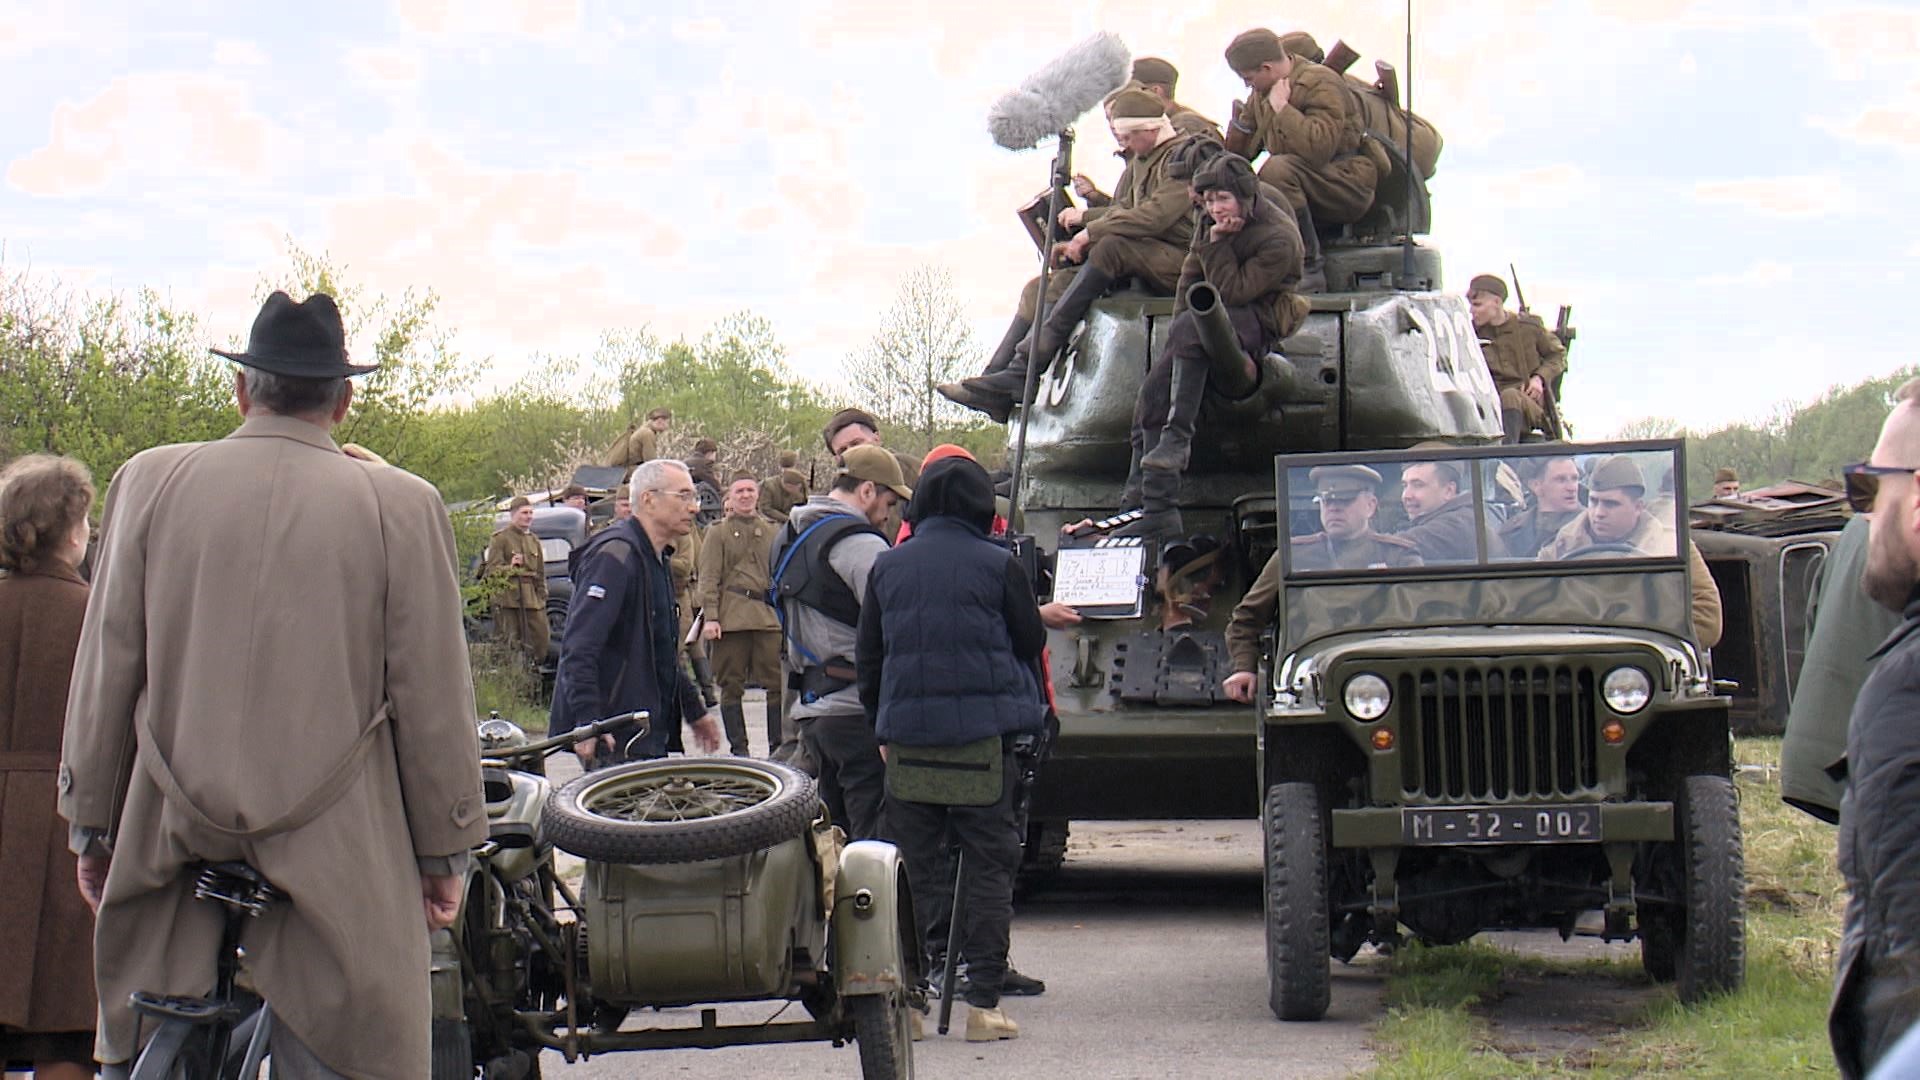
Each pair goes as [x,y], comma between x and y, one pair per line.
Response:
[324,794]
[748,593]
[29,760]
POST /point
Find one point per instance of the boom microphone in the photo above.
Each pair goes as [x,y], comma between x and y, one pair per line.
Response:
[1051,99]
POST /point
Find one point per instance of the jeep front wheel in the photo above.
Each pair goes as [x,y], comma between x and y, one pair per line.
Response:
[1299,964]
[1700,941]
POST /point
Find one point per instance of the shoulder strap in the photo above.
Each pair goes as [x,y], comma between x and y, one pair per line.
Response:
[838,526]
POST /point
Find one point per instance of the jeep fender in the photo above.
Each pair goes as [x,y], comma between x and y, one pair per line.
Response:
[872,921]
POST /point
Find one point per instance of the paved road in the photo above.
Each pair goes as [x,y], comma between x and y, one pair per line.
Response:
[1150,943]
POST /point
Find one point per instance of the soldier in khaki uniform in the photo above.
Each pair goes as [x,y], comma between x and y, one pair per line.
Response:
[520,607]
[1157,77]
[1522,354]
[784,490]
[639,444]
[1726,483]
[742,631]
[1143,235]
[1304,118]
[1348,497]
[1555,484]
[856,427]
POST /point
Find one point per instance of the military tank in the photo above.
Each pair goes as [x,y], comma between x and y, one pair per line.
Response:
[1384,360]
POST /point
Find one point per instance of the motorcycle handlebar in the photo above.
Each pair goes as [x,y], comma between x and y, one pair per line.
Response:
[543,747]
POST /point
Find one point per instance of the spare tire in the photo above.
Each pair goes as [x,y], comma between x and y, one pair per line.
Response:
[677,810]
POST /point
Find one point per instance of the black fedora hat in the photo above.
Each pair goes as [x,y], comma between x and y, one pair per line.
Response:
[302,341]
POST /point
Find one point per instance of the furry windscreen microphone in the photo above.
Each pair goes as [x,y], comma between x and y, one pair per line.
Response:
[1051,99]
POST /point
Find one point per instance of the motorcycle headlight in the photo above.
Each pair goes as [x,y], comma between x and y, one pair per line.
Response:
[496,733]
[1367,697]
[1626,690]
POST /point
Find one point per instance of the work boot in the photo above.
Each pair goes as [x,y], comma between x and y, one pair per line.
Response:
[1143,441]
[1160,491]
[990,1025]
[1513,425]
[978,395]
[1313,269]
[1183,412]
[733,717]
[916,1025]
[1018,985]
[1017,332]
[1088,285]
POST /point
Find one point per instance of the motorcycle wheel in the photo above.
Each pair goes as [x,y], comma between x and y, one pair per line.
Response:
[676,810]
[883,1031]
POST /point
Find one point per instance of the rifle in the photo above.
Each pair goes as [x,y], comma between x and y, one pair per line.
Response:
[1549,403]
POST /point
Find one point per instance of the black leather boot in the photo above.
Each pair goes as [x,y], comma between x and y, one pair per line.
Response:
[733,717]
[1143,441]
[1088,285]
[1183,412]
[1313,271]
[1513,425]
[1003,353]
[1160,491]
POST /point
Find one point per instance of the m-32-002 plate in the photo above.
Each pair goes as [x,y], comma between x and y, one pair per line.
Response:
[1573,824]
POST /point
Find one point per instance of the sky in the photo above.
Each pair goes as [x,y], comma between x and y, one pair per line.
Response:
[1722,189]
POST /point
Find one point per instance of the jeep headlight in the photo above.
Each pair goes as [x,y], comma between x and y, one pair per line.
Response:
[1367,697]
[1626,690]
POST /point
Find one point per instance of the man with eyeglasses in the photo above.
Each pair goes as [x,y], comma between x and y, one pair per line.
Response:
[620,651]
[1877,987]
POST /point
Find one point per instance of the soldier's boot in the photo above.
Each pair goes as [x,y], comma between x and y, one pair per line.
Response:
[1160,494]
[990,1025]
[1143,441]
[733,717]
[1313,270]
[1183,413]
[1090,284]
[996,405]
[1003,353]
[1513,425]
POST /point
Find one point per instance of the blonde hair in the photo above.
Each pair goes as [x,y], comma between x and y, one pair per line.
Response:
[43,499]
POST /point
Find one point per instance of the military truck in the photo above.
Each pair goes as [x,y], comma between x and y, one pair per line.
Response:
[1490,738]
[1384,359]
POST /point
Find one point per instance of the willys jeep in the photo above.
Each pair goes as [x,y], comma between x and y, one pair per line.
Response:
[707,881]
[1489,738]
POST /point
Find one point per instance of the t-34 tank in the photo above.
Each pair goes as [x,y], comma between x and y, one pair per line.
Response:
[1383,361]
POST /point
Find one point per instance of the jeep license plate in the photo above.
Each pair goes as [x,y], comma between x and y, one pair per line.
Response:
[1502,825]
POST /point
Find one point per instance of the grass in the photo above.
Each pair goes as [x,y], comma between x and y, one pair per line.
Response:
[504,682]
[1443,1015]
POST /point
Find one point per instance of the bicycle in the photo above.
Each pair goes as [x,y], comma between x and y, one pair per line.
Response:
[224,1035]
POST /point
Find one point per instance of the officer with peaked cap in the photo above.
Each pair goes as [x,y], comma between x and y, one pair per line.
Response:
[1348,497]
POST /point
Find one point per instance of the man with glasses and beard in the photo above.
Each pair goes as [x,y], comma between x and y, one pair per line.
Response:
[1877,988]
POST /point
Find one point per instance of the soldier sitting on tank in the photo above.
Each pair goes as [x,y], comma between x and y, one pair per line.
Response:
[1522,354]
[1348,497]
[1304,118]
[1248,251]
[1142,235]
[1441,521]
[1554,484]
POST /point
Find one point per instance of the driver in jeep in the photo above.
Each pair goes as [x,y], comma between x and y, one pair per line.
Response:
[1615,519]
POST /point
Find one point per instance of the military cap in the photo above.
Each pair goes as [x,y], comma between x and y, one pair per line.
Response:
[623,492]
[1343,480]
[705,446]
[740,475]
[1725,475]
[1135,104]
[1301,43]
[518,502]
[847,418]
[661,413]
[875,464]
[571,490]
[1153,70]
[788,459]
[1253,48]
[1489,284]
[1617,472]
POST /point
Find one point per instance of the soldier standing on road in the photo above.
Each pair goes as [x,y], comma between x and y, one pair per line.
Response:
[1876,994]
[1441,521]
[1522,354]
[1143,235]
[639,444]
[1555,486]
[1305,119]
[515,561]
[276,627]
[742,632]
[821,620]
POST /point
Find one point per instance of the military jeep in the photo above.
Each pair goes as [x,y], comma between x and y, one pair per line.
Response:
[1493,739]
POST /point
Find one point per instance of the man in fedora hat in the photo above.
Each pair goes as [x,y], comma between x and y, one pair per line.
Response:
[322,734]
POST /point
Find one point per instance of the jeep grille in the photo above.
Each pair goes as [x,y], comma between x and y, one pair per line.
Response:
[1473,734]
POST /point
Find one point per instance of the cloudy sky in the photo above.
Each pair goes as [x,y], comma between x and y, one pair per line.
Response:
[1722,188]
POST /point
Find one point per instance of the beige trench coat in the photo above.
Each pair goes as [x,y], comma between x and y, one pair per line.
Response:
[264,605]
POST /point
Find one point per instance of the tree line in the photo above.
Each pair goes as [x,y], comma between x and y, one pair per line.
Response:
[101,378]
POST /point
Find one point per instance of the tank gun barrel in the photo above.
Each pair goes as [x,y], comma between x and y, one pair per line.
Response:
[1234,375]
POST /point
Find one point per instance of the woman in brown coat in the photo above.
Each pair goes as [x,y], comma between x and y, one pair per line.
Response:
[47,1007]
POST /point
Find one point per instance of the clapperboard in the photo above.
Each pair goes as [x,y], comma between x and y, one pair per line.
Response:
[1102,580]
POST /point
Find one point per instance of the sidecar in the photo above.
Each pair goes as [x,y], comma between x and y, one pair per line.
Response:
[708,881]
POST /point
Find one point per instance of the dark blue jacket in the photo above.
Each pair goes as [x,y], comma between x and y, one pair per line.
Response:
[620,651]
[950,639]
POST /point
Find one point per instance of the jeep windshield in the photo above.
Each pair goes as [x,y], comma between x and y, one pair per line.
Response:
[1560,534]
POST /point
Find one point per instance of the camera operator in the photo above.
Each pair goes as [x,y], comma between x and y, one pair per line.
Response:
[947,659]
